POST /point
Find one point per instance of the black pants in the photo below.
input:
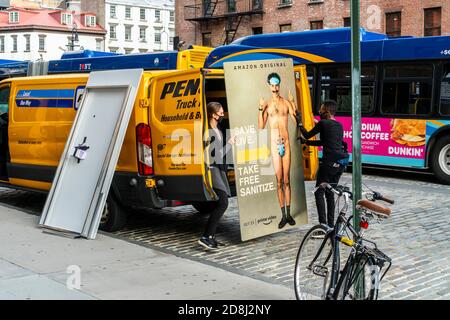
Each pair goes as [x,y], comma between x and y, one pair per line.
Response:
[217,213]
[328,172]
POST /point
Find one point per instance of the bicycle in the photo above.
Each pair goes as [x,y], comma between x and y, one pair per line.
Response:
[318,273]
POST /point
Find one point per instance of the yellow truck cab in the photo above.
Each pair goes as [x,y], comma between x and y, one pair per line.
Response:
[169,112]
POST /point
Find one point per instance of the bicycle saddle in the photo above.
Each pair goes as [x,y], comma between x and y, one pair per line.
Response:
[376,208]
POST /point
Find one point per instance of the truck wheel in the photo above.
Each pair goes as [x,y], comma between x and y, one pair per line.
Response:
[441,160]
[114,217]
[205,207]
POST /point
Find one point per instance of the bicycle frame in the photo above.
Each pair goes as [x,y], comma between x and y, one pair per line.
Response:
[335,240]
[352,268]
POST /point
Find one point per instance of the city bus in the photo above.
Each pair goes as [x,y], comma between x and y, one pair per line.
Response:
[85,61]
[405,89]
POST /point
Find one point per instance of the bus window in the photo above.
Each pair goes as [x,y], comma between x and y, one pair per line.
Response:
[336,85]
[445,92]
[407,89]
[4,100]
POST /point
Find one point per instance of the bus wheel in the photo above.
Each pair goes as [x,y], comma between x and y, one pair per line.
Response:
[205,207]
[441,160]
[114,217]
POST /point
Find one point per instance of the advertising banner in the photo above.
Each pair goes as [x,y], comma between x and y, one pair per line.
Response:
[389,141]
[262,107]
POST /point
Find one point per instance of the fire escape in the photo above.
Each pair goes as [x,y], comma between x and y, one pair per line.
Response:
[229,12]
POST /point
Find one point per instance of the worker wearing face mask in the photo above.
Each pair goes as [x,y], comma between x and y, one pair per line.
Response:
[217,151]
[334,158]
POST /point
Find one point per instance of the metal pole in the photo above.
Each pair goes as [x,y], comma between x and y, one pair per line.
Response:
[356,123]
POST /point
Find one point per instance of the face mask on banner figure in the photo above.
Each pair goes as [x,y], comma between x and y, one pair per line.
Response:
[277,112]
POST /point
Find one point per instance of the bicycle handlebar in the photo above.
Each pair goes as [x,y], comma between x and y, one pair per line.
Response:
[339,190]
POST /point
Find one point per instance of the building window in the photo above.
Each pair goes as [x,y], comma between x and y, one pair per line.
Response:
[208,8]
[257,30]
[66,18]
[42,43]
[112,11]
[13,16]
[127,12]
[347,22]
[27,43]
[206,39]
[143,50]
[316,25]
[113,49]
[257,4]
[231,5]
[127,32]
[157,37]
[112,32]
[142,14]
[90,21]
[2,43]
[285,27]
[285,3]
[172,16]
[158,15]
[432,22]
[14,39]
[142,32]
[99,44]
[171,40]
[128,50]
[394,24]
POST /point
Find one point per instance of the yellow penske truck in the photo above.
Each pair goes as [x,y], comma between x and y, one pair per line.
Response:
[37,114]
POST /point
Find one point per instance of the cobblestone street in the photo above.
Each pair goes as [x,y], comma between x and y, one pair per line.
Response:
[417,237]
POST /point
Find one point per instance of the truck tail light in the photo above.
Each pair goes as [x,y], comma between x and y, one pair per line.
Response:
[144,149]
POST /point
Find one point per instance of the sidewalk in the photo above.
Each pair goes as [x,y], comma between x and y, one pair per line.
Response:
[34,265]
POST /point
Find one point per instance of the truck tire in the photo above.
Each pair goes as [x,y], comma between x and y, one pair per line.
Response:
[440,159]
[114,217]
[205,207]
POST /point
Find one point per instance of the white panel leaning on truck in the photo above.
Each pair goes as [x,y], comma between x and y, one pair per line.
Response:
[84,175]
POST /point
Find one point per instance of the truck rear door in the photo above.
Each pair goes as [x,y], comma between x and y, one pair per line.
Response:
[310,154]
[177,119]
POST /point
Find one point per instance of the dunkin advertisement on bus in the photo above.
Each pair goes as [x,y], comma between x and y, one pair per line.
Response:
[390,141]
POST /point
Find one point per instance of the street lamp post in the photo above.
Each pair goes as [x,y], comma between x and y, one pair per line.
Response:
[74,37]
[356,123]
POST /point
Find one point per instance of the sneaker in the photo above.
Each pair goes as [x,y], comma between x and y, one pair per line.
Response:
[290,220]
[282,223]
[208,242]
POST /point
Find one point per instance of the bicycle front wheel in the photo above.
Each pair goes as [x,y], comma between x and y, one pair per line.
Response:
[313,265]
[360,280]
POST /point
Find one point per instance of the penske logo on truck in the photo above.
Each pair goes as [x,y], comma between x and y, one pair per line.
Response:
[180,99]
[181,88]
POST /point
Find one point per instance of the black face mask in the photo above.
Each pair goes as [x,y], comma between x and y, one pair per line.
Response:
[220,119]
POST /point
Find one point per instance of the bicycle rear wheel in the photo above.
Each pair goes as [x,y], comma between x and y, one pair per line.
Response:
[311,277]
[362,265]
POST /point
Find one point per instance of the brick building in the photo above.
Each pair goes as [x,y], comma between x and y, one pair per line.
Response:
[215,22]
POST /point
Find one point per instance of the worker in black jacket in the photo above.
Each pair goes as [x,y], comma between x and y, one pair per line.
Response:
[334,158]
